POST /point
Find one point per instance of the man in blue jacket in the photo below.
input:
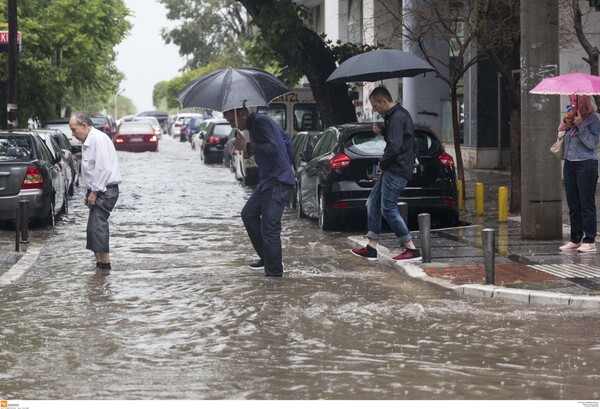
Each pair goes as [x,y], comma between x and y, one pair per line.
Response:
[396,167]
[273,153]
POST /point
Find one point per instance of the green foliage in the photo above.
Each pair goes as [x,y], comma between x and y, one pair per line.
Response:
[207,30]
[68,54]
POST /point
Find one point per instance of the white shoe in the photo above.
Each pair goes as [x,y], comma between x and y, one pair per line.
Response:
[587,247]
[570,246]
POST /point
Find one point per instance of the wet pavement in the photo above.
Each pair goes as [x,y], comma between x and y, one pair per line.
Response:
[182,317]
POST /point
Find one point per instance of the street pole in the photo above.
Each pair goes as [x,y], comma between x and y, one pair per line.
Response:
[541,199]
[13,53]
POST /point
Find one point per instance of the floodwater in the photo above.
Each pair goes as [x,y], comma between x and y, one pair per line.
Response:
[182,317]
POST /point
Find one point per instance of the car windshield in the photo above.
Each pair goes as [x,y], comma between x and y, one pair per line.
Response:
[222,129]
[366,143]
[15,147]
[136,127]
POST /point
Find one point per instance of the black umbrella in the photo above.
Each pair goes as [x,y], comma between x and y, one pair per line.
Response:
[230,88]
[379,65]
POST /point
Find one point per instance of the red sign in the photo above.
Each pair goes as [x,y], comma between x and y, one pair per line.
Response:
[4,40]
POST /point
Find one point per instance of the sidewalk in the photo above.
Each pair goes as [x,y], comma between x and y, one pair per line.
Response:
[529,271]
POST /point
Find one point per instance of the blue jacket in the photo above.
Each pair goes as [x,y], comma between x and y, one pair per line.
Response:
[273,151]
[581,142]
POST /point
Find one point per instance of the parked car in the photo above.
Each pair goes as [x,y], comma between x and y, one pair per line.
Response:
[63,126]
[29,171]
[62,165]
[106,124]
[136,136]
[213,139]
[175,130]
[71,162]
[303,144]
[153,121]
[343,168]
[245,169]
[126,118]
[191,126]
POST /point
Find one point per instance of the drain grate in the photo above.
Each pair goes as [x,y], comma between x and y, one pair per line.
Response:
[569,270]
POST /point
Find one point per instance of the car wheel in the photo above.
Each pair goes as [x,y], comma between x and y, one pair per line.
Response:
[49,219]
[299,210]
[294,198]
[326,220]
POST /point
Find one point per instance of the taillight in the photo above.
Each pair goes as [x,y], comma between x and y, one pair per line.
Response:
[153,138]
[446,160]
[339,161]
[33,179]
[106,127]
[213,140]
[118,140]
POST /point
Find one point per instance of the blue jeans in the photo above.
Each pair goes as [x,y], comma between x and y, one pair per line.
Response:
[383,201]
[580,179]
[262,218]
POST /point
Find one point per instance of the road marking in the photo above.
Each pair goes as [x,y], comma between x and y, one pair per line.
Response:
[26,261]
[569,270]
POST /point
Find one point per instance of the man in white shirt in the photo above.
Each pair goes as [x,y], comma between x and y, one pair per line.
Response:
[101,178]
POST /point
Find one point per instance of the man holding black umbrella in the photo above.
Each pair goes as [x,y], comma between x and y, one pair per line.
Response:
[273,153]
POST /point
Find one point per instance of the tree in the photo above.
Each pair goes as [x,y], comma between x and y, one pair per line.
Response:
[282,27]
[67,55]
[207,30]
[577,25]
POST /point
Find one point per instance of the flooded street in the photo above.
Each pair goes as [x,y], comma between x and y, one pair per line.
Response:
[182,317]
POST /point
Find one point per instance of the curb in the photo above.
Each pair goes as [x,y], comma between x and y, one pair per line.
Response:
[483,291]
[29,257]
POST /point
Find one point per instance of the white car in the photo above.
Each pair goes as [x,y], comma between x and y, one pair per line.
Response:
[245,169]
[176,126]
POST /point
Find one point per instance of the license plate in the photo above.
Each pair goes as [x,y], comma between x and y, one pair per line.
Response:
[136,139]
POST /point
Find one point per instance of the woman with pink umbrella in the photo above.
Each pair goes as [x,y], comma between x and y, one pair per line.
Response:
[580,173]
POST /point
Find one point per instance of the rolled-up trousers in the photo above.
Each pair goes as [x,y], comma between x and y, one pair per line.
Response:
[97,226]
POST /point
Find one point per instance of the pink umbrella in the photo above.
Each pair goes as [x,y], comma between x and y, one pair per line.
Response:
[576,83]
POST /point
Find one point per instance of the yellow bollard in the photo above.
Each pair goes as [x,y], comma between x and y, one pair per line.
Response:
[478,198]
[460,194]
[502,204]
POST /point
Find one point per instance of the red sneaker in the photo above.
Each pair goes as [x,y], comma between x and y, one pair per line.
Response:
[408,255]
[367,252]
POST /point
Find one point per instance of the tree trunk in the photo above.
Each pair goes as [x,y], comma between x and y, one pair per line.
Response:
[460,169]
[315,60]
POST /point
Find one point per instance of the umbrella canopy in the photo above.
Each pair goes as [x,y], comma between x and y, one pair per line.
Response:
[230,88]
[378,65]
[576,83]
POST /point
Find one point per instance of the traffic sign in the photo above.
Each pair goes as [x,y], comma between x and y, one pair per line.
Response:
[4,40]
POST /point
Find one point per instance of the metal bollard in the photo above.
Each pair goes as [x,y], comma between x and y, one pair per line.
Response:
[403,207]
[17,231]
[24,215]
[487,236]
[479,198]
[425,230]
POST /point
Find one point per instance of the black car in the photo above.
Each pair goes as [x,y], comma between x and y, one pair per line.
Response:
[213,139]
[106,124]
[162,116]
[71,160]
[303,144]
[343,168]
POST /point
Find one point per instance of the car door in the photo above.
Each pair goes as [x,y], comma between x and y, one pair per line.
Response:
[52,161]
[309,182]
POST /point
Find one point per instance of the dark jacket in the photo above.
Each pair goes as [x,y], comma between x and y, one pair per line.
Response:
[399,134]
[273,152]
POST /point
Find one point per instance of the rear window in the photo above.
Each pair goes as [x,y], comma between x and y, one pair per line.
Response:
[18,147]
[222,129]
[307,118]
[366,143]
[136,127]
[427,144]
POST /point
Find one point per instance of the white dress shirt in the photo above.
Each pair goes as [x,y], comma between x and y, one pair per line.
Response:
[99,166]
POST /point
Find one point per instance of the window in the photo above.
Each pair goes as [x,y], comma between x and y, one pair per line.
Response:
[307,118]
[325,144]
[366,143]
[355,21]
[277,112]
